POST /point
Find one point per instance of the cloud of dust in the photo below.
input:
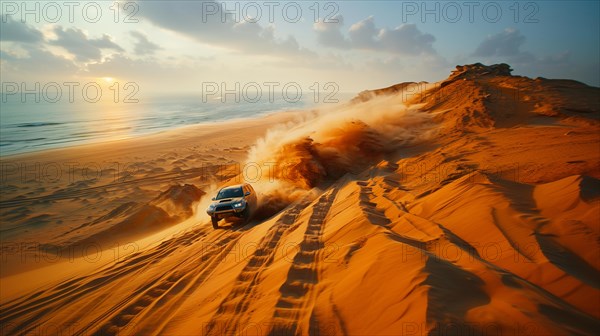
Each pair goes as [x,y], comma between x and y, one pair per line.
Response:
[332,142]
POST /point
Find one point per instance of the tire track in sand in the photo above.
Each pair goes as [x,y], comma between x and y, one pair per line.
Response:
[298,292]
[227,320]
[168,290]
[23,312]
[74,289]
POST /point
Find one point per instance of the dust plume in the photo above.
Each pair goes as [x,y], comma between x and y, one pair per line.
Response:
[332,142]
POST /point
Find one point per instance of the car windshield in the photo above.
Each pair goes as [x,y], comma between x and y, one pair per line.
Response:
[230,193]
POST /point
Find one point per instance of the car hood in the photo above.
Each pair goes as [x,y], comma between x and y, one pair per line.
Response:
[228,201]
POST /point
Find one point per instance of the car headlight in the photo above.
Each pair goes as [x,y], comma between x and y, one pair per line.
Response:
[239,204]
[211,207]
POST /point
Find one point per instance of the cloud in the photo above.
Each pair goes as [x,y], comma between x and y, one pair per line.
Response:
[406,39]
[505,46]
[363,33]
[505,43]
[5,56]
[143,46]
[208,22]
[76,42]
[19,32]
[28,59]
[330,34]
[37,65]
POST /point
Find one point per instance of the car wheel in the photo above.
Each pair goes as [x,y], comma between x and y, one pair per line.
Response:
[215,222]
[246,216]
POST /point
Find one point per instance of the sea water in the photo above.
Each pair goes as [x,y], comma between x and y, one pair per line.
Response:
[27,126]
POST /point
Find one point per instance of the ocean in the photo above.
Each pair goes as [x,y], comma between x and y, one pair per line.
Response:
[32,126]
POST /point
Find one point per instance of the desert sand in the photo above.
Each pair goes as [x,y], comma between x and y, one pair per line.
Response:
[462,207]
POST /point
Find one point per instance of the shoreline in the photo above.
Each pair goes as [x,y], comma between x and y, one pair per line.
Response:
[164,132]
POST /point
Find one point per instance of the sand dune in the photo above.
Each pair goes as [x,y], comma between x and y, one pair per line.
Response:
[469,206]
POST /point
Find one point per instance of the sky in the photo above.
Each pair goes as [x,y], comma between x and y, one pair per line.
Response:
[347,46]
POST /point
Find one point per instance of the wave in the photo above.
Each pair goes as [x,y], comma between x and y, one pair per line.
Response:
[39,124]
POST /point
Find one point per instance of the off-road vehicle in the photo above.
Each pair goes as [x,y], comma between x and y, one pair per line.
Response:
[233,201]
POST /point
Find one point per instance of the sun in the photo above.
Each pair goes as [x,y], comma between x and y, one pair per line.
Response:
[108,79]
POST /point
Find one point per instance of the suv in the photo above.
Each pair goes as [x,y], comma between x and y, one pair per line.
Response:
[238,201]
